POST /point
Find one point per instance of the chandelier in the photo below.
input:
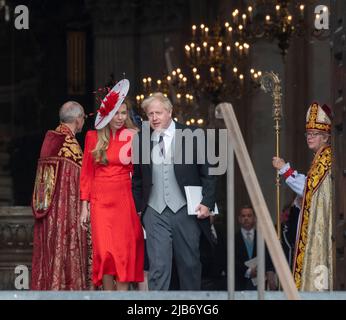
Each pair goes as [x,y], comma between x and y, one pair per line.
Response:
[174,85]
[275,20]
[218,61]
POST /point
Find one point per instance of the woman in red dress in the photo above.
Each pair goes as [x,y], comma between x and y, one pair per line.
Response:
[116,231]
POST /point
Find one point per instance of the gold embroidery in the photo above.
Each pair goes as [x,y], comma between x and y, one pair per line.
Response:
[38,190]
[312,124]
[72,150]
[44,186]
[319,126]
[319,169]
[312,116]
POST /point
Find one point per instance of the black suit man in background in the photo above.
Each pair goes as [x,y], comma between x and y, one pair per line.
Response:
[245,249]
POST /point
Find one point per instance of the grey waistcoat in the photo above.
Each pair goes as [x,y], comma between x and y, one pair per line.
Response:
[165,190]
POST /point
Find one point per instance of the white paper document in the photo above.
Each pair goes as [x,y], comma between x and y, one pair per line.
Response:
[194,198]
[252,263]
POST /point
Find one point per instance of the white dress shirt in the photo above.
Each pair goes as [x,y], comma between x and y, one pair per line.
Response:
[168,135]
[245,234]
[250,232]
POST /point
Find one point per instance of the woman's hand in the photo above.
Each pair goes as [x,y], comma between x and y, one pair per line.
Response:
[85,215]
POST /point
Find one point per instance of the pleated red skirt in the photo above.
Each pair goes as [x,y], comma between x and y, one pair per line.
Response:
[117,234]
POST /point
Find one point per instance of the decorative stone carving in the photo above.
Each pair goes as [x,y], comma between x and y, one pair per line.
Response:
[16,234]
[122,17]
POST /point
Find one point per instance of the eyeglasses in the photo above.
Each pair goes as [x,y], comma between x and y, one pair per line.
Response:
[312,134]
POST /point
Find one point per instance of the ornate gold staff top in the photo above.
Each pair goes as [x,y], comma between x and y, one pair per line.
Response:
[270,82]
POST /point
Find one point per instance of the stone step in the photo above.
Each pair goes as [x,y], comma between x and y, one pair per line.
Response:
[5,171]
[5,192]
[204,296]
[15,211]
[4,157]
[3,145]
[6,181]
[5,203]
[4,165]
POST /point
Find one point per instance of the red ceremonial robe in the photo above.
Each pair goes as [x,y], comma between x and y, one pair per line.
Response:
[60,253]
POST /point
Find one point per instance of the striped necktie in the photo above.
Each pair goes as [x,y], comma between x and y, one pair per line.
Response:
[162,145]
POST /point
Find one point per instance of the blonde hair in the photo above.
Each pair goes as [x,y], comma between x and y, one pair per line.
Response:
[157,96]
[103,135]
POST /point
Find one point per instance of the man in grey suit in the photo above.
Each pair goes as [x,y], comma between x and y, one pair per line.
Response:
[158,189]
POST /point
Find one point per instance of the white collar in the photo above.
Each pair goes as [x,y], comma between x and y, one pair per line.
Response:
[244,231]
[168,132]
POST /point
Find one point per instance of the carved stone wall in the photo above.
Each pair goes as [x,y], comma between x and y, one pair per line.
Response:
[16,234]
[122,16]
[132,36]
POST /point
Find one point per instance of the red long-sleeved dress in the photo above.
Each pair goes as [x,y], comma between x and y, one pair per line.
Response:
[117,234]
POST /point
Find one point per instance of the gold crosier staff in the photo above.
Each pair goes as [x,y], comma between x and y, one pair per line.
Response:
[270,82]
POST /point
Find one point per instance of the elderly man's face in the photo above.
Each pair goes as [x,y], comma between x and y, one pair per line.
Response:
[159,117]
[247,218]
[315,139]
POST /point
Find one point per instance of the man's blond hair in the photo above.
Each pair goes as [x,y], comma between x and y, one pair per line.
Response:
[159,96]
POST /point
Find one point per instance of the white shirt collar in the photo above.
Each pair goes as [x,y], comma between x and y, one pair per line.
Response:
[245,232]
[168,132]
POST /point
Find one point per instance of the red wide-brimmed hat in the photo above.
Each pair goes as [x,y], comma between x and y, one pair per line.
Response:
[111,103]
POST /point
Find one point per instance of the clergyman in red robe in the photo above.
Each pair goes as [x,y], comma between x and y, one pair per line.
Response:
[60,245]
